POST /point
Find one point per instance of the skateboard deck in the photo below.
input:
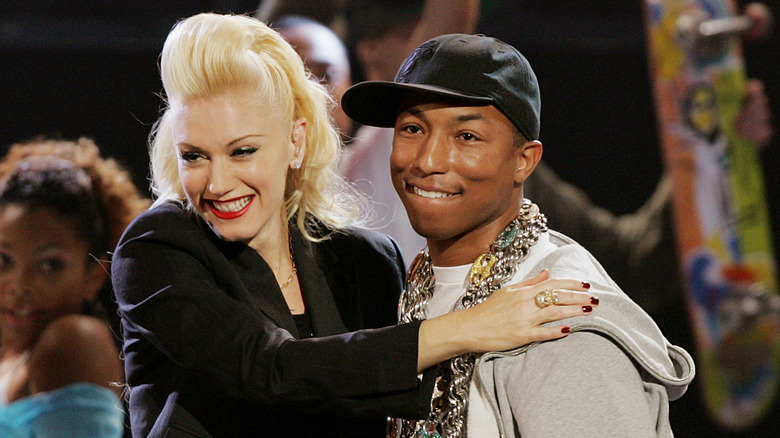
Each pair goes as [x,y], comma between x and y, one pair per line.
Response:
[721,217]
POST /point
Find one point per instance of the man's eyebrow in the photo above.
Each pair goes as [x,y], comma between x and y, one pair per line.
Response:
[471,116]
[416,112]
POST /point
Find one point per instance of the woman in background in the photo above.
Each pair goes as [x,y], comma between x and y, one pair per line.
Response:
[62,210]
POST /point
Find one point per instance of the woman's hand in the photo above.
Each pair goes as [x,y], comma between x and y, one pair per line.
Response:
[508,319]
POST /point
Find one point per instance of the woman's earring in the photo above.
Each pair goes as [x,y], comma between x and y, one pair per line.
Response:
[297,165]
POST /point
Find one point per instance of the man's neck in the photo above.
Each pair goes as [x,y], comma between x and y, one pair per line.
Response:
[464,249]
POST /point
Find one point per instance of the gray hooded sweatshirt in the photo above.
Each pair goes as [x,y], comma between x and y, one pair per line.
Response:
[613,376]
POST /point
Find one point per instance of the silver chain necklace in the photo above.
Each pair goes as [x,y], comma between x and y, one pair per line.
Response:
[490,272]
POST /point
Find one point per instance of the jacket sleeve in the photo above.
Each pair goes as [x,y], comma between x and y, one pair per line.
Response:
[169,297]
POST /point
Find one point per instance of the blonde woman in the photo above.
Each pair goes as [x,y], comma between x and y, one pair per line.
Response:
[239,288]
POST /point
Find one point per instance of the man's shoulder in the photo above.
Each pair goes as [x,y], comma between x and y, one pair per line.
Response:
[565,257]
[566,362]
[560,240]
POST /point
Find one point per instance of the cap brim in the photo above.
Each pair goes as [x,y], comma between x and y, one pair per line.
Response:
[377,103]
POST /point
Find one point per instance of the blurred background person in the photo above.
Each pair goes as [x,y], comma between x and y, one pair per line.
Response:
[324,55]
[62,210]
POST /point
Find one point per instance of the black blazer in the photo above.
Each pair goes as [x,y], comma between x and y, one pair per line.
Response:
[210,347]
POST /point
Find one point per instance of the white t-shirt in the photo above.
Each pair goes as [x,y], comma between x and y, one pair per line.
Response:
[451,283]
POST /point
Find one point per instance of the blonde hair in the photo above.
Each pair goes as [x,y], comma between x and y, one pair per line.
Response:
[208,54]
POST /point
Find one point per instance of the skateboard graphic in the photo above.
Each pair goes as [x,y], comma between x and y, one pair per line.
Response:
[720,212]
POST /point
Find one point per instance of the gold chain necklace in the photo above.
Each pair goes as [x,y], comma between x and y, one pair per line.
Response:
[293,271]
[449,402]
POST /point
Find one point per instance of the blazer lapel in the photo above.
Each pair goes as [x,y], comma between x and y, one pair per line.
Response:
[315,262]
[255,284]
[262,293]
[312,261]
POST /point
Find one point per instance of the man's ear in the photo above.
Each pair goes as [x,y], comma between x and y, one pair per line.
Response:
[528,156]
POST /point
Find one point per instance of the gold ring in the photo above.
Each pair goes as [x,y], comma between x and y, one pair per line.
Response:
[546,298]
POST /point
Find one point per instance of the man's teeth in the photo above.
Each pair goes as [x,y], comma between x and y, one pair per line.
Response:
[232,207]
[430,194]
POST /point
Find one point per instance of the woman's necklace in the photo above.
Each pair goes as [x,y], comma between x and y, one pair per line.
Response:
[289,280]
[293,271]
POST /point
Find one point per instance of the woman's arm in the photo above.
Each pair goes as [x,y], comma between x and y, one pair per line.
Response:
[508,319]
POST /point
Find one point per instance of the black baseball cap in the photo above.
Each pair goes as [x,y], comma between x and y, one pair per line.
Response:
[474,69]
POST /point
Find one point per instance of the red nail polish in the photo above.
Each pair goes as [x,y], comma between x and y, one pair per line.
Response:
[594,301]
[586,285]
[565,330]
[587,309]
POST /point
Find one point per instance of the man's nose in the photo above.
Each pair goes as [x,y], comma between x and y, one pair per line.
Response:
[433,155]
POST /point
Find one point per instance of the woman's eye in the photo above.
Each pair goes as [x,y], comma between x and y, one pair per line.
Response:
[52,265]
[243,151]
[5,261]
[190,156]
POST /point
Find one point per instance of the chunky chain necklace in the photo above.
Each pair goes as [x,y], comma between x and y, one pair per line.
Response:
[488,273]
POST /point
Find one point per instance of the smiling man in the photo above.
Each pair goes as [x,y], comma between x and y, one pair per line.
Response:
[465,109]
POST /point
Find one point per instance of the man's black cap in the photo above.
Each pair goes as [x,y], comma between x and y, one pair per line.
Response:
[471,68]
